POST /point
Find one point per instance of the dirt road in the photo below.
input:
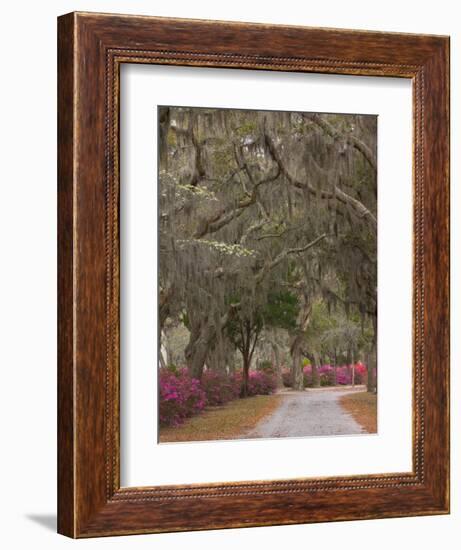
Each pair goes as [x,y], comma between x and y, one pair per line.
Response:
[308,413]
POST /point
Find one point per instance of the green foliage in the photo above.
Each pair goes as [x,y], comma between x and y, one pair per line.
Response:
[281,310]
[243,329]
[173,368]
[333,335]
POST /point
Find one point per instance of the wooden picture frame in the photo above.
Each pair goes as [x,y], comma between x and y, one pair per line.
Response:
[92,48]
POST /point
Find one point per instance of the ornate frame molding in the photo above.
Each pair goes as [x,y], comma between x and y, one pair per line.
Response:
[91,49]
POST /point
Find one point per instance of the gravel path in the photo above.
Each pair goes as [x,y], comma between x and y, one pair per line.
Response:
[308,413]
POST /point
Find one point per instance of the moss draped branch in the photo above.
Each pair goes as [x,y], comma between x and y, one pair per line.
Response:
[359,209]
[341,137]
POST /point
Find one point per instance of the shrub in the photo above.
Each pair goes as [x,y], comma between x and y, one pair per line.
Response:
[344,374]
[267,366]
[361,373]
[219,388]
[307,376]
[261,383]
[327,375]
[180,396]
[287,378]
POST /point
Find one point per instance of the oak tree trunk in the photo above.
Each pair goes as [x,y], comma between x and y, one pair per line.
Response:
[315,372]
[276,363]
[372,385]
[297,382]
[201,338]
[335,374]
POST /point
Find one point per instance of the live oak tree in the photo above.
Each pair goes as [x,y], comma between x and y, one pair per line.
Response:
[254,204]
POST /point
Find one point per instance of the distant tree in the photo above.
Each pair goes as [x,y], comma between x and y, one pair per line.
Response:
[245,328]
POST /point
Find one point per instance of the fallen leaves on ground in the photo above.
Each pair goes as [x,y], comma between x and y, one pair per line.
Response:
[363,407]
[229,421]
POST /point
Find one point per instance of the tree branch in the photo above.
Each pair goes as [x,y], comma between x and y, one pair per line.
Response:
[230,213]
[276,261]
[349,139]
[360,210]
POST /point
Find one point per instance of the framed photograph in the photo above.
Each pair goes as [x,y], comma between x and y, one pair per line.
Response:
[253,259]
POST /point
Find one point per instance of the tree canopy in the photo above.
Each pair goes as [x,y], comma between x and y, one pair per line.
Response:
[267,226]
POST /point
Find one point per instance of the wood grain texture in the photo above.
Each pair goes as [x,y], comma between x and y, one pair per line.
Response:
[91,49]
[66,487]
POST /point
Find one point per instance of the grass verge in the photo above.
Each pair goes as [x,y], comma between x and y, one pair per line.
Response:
[230,421]
[363,407]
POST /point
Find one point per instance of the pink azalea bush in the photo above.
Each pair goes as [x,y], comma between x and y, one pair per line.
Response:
[181,396]
[327,375]
[219,388]
[259,382]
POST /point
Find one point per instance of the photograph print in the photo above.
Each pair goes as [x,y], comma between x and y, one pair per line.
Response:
[267,285]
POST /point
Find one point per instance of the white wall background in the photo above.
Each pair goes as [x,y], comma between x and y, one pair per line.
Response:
[28,271]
